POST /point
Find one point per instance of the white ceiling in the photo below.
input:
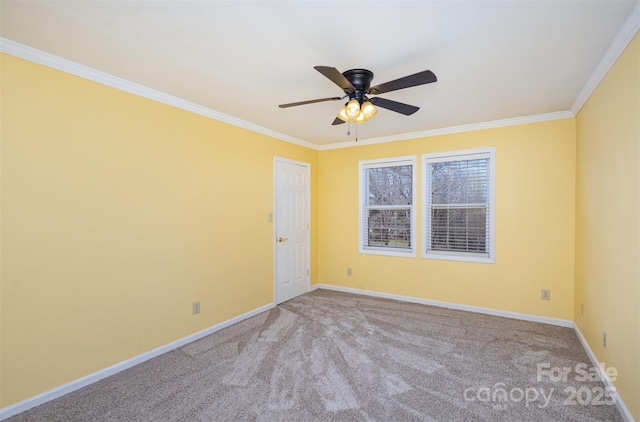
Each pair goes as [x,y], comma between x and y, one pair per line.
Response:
[493,59]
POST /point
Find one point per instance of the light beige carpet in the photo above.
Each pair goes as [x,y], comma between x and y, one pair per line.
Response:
[336,356]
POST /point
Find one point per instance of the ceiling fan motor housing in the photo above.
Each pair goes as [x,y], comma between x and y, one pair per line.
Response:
[361,81]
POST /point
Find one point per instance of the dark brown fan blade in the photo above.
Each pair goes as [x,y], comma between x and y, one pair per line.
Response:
[420,78]
[319,100]
[336,77]
[401,108]
[337,122]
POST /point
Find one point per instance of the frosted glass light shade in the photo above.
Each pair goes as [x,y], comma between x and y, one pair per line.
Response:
[353,108]
[368,110]
[342,114]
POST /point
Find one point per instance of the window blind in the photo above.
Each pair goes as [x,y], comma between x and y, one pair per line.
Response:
[387,209]
[458,213]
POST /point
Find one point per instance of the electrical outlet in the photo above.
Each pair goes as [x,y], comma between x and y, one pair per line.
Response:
[545,294]
[604,339]
[270,217]
[349,272]
[196,307]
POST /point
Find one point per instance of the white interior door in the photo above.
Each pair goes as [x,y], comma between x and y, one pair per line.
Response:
[292,239]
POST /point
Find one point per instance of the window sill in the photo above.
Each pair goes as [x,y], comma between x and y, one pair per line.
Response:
[460,258]
[389,252]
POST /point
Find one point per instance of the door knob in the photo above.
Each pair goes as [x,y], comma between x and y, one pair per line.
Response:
[282,239]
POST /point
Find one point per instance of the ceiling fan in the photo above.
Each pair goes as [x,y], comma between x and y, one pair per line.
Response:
[356,84]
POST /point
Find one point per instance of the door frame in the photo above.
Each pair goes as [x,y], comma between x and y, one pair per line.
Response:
[307,166]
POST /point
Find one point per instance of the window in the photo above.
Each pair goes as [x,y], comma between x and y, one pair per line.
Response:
[387,212]
[459,211]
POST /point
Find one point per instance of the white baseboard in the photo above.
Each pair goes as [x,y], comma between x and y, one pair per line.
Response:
[515,315]
[624,411]
[34,401]
[449,305]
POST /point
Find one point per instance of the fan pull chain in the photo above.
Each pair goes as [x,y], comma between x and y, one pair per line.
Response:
[349,129]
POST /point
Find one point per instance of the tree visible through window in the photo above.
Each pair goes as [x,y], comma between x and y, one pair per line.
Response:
[387,219]
[458,214]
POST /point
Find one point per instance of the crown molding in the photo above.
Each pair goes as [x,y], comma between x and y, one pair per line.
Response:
[622,39]
[46,59]
[620,42]
[514,121]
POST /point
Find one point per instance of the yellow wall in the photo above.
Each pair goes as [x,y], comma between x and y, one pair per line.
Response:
[117,213]
[535,170]
[608,224]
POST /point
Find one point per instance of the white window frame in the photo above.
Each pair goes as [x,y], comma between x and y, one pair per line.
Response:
[461,155]
[387,162]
